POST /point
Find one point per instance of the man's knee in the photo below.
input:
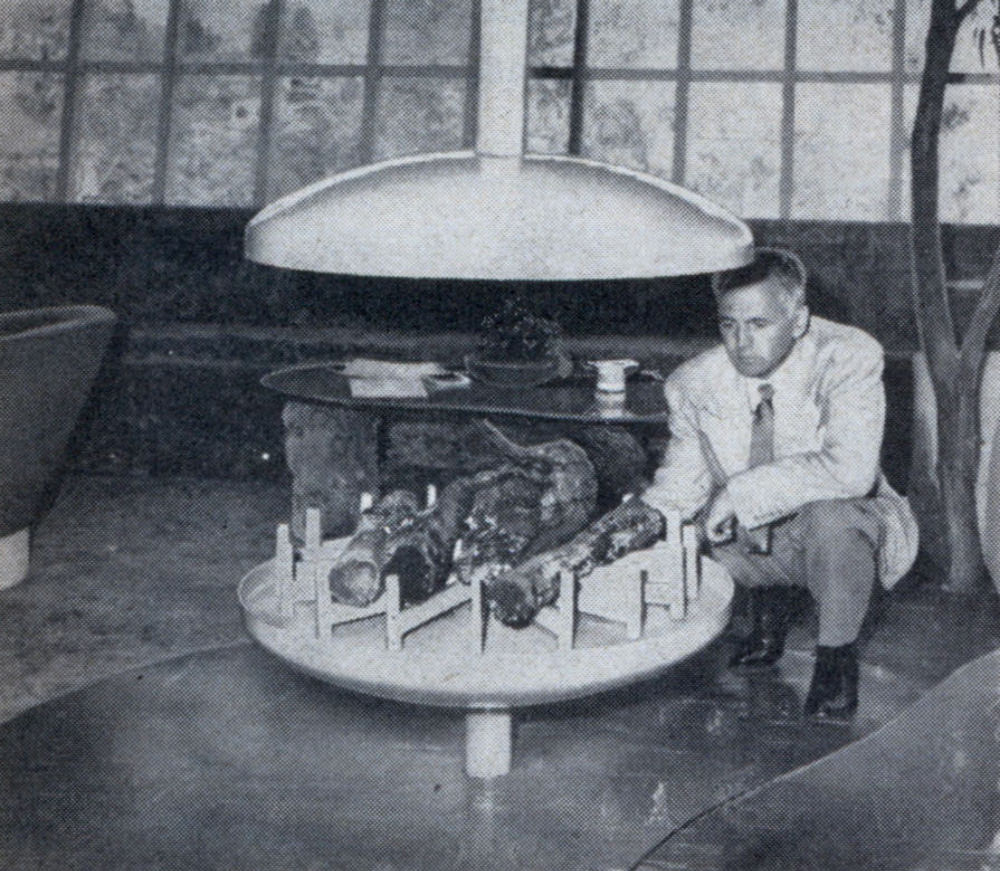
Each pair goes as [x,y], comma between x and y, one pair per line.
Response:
[745,570]
[837,520]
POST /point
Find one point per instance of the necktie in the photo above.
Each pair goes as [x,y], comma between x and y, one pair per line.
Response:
[761,451]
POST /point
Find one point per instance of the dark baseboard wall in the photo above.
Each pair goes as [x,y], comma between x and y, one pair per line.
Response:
[199,324]
[163,266]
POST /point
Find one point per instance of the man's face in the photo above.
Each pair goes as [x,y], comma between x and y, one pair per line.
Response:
[757,327]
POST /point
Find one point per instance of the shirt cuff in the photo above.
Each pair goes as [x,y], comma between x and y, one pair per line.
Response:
[744,491]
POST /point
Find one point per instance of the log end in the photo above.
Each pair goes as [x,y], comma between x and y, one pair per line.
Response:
[511,603]
[355,582]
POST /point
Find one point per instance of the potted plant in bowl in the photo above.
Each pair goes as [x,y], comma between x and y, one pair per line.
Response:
[517,348]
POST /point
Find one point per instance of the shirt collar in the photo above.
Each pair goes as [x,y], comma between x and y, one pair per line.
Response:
[781,379]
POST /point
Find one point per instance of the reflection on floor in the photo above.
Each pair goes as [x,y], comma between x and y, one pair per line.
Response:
[922,793]
[225,759]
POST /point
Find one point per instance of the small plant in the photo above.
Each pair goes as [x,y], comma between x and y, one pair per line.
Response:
[515,333]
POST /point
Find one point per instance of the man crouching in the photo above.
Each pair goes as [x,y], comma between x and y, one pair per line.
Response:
[774,448]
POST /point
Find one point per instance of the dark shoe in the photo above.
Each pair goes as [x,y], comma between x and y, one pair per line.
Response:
[833,692]
[771,615]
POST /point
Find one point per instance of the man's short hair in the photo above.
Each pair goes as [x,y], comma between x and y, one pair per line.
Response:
[777,263]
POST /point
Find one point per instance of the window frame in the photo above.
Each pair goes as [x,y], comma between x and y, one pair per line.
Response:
[270,68]
[74,68]
[790,77]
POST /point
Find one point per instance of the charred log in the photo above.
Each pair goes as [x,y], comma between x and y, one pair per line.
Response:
[503,522]
[569,495]
[539,496]
[517,595]
[535,497]
[356,576]
[420,553]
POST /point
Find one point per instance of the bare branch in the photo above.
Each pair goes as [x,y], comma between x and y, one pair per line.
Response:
[966,9]
[982,318]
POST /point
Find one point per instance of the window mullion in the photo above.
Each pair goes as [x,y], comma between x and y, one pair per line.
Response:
[682,91]
[167,88]
[786,182]
[897,134]
[373,75]
[470,119]
[579,80]
[268,86]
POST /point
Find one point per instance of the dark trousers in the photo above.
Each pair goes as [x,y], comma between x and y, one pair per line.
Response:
[829,547]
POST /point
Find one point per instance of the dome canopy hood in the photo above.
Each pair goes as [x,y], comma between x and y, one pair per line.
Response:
[472,216]
[495,213]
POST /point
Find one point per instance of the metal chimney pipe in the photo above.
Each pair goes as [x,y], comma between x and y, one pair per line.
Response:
[501,78]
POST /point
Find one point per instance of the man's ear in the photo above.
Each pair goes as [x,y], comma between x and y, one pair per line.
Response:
[801,321]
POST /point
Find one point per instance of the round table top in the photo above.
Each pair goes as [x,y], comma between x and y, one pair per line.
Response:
[441,665]
[573,398]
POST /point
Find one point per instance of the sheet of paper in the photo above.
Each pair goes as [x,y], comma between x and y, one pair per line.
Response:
[363,367]
[388,388]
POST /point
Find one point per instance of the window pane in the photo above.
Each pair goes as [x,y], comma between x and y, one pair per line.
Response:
[427,31]
[918,16]
[213,143]
[116,147]
[733,152]
[737,35]
[550,32]
[34,29]
[124,29]
[970,175]
[31,108]
[970,143]
[325,31]
[221,30]
[548,117]
[841,151]
[966,56]
[845,35]
[317,131]
[419,115]
[631,124]
[633,33]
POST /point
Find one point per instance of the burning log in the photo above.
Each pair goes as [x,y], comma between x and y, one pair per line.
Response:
[517,594]
[356,576]
[537,497]
[420,552]
[502,524]
[569,491]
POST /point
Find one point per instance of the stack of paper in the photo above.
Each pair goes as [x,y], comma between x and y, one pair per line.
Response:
[388,379]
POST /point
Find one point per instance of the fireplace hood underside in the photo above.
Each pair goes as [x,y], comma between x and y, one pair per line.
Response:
[464,215]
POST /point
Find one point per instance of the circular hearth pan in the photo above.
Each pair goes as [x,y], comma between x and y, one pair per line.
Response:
[440,666]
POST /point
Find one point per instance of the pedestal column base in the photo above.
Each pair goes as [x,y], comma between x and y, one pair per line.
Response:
[488,741]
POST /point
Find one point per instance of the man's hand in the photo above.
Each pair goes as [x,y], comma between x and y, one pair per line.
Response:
[720,519]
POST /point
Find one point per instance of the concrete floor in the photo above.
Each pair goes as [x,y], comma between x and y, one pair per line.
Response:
[132,572]
[127,571]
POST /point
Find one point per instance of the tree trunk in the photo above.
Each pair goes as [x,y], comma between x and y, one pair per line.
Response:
[949,496]
[958,461]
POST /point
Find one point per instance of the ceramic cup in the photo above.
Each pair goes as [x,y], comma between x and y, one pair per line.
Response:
[611,374]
